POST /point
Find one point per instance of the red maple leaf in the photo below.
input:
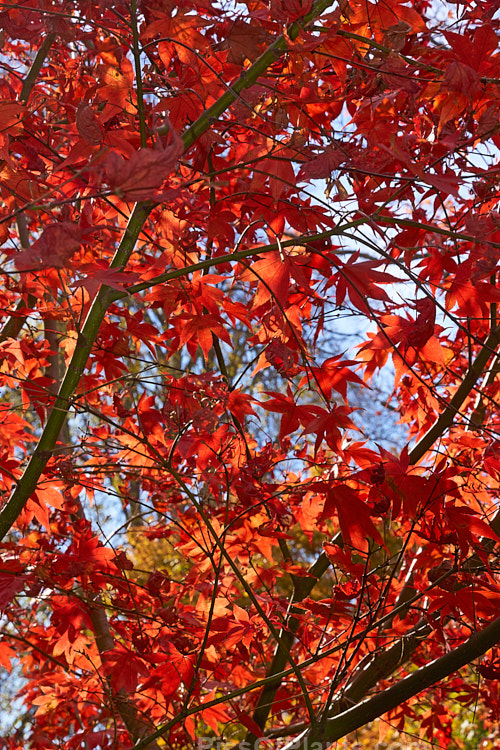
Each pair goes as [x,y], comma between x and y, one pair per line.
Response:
[356,524]
[333,374]
[328,425]
[360,280]
[273,274]
[88,125]
[140,177]
[99,275]
[293,414]
[201,330]
[12,580]
[53,249]
[322,165]
[124,668]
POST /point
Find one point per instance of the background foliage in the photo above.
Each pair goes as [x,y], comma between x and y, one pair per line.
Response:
[239,242]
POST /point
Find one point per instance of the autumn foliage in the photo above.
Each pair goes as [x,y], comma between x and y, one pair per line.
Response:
[237,239]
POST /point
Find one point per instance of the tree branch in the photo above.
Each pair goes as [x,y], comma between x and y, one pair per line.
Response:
[36,67]
[44,449]
[321,565]
[248,77]
[445,419]
[15,323]
[356,717]
[129,714]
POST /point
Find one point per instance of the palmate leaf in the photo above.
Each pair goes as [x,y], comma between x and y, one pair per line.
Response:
[140,177]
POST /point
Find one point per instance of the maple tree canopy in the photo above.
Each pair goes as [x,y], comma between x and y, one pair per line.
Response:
[240,242]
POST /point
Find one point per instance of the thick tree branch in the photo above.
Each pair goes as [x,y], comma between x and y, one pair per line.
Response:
[44,449]
[353,718]
[470,379]
[129,714]
[42,453]
[249,77]
[87,337]
[36,67]
[378,663]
